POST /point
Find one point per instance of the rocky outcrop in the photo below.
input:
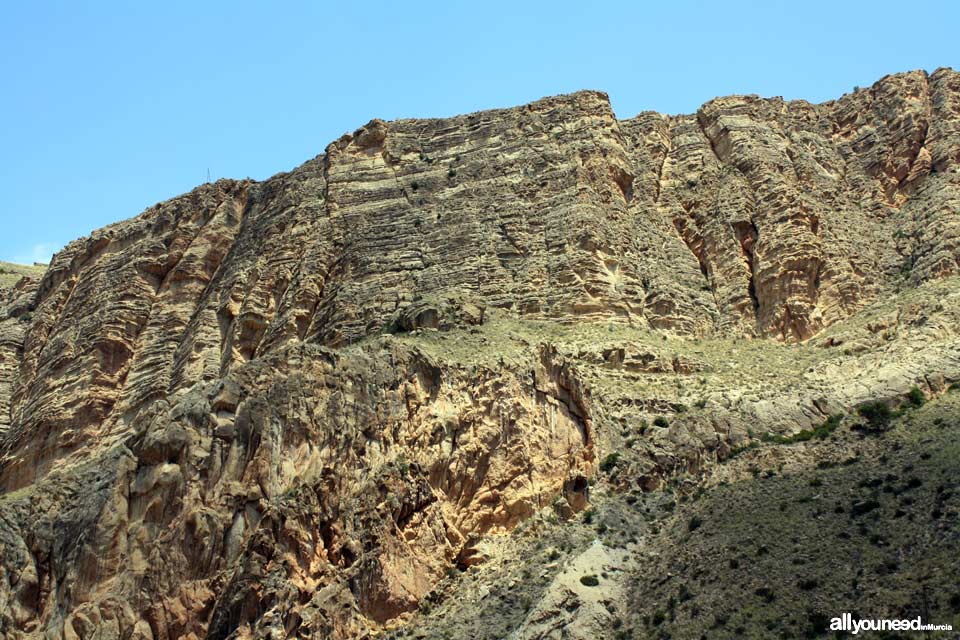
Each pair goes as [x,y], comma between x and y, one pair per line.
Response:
[206,430]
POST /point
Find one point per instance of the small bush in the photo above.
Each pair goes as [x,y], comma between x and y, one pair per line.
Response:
[819,624]
[414,185]
[766,593]
[906,267]
[694,523]
[452,173]
[808,584]
[589,581]
[915,397]
[862,507]
[660,421]
[610,462]
[877,415]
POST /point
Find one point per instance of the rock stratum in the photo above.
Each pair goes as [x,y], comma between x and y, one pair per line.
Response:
[338,403]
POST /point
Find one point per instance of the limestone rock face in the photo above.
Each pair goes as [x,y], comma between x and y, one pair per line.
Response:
[209,429]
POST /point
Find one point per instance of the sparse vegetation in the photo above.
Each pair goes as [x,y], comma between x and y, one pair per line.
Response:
[856,504]
[821,432]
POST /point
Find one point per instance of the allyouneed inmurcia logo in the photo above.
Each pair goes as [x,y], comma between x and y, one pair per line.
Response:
[846,622]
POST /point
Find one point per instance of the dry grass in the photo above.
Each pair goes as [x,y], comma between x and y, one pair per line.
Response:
[11,273]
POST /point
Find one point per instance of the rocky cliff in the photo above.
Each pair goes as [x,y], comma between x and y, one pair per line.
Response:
[302,407]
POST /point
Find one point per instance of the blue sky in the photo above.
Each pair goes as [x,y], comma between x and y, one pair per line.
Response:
[107,108]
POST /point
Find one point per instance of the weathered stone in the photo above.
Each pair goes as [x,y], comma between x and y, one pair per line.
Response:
[206,432]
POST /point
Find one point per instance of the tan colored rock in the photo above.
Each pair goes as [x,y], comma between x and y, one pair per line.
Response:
[204,433]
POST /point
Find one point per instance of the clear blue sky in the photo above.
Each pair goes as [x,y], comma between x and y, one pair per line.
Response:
[110,108]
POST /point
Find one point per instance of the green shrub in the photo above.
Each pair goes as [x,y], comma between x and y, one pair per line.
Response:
[610,462]
[660,421]
[589,581]
[877,415]
[915,397]
[808,584]
[766,593]
[906,267]
[819,624]
[862,507]
[694,523]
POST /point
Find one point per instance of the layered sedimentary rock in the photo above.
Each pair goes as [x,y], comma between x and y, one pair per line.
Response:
[205,430]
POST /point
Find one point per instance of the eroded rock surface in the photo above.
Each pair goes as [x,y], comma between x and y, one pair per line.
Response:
[288,408]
